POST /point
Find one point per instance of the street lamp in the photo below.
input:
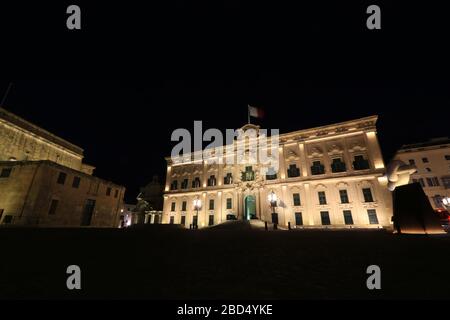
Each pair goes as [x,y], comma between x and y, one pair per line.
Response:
[273,203]
[197,206]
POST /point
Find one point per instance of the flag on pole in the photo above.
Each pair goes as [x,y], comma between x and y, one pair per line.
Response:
[255,112]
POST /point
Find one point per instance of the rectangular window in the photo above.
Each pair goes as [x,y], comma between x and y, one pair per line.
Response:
[360,163]
[293,171]
[325,218]
[228,179]
[348,219]
[298,219]
[338,166]
[433,182]
[53,206]
[116,194]
[196,183]
[344,196]
[6,172]
[184,184]
[296,198]
[317,168]
[211,220]
[367,195]
[108,191]
[425,160]
[183,206]
[62,178]
[174,185]
[172,220]
[7,219]
[183,220]
[271,174]
[322,197]
[211,181]
[447,157]
[194,220]
[373,219]
[229,203]
[76,182]
[211,204]
[172,208]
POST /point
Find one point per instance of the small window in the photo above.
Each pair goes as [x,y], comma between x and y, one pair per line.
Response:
[183,206]
[62,178]
[296,199]
[76,182]
[412,161]
[447,157]
[325,218]
[298,219]
[7,219]
[367,193]
[53,207]
[322,197]
[172,208]
[344,196]
[373,219]
[183,220]
[211,220]
[348,219]
[428,169]
[228,179]
[116,193]
[317,168]
[108,191]
[211,204]
[293,171]
[172,220]
[174,185]
[229,203]
[338,165]
[6,172]
[425,160]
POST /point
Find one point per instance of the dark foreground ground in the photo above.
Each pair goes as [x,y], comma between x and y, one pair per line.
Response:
[230,262]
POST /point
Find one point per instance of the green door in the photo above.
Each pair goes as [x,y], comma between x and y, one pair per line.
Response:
[250,208]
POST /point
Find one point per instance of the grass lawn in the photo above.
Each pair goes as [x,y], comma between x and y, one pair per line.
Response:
[230,262]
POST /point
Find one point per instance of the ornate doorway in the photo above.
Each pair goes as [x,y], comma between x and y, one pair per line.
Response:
[249,208]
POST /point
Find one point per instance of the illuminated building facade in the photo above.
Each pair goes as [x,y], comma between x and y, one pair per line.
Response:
[329,177]
[432,159]
[44,182]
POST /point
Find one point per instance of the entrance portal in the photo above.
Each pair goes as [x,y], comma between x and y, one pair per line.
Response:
[249,208]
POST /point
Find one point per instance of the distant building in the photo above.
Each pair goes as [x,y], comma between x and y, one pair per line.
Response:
[153,194]
[44,182]
[150,203]
[432,159]
[329,177]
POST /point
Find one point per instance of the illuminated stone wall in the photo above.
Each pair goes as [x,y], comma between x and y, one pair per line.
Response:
[27,193]
[21,140]
[432,160]
[343,141]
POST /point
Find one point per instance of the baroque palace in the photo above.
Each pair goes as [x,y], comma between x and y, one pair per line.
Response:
[329,177]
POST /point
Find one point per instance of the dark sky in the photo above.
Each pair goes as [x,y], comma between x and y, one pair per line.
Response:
[133,74]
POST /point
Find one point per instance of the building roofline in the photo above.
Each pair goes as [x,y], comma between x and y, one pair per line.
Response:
[30,127]
[364,123]
[54,164]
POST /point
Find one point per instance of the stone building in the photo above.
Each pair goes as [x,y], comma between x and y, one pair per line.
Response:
[44,182]
[329,177]
[432,159]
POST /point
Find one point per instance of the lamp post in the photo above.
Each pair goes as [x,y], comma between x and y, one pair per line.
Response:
[273,203]
[197,206]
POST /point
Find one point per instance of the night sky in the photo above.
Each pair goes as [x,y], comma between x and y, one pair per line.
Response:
[133,74]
